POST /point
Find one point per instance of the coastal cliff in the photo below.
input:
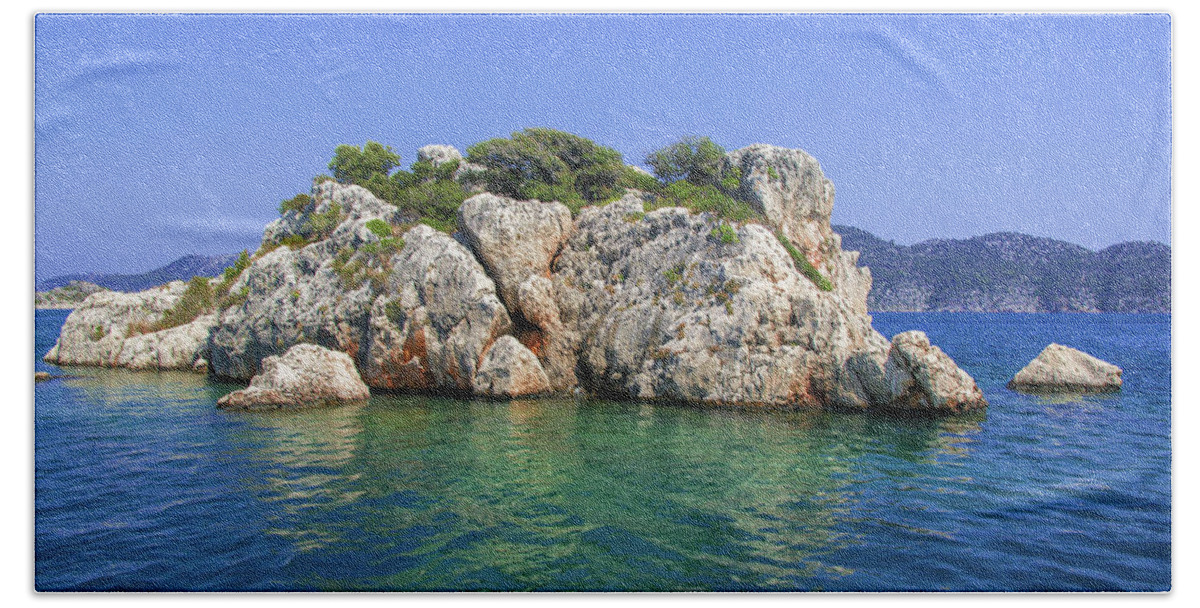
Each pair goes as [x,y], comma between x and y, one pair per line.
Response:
[731,294]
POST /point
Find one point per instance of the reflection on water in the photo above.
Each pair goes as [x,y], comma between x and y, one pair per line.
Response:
[143,484]
[622,495]
[304,460]
[419,493]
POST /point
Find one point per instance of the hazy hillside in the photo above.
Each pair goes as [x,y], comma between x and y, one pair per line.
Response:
[1013,272]
[184,268]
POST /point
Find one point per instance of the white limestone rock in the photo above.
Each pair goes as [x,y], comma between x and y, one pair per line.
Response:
[307,295]
[658,308]
[175,348]
[96,331]
[514,239]
[1064,369]
[923,379]
[510,370]
[305,376]
[437,316]
[438,154]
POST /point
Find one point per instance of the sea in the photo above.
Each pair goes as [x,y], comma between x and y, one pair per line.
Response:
[142,484]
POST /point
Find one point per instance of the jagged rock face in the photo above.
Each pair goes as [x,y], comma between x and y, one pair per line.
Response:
[438,154]
[922,378]
[515,240]
[510,370]
[788,187]
[438,316]
[96,332]
[298,296]
[305,376]
[357,206]
[658,308]
[1064,369]
[621,302]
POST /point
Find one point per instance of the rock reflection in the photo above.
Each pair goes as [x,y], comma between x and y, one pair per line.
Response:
[111,388]
[536,488]
[305,458]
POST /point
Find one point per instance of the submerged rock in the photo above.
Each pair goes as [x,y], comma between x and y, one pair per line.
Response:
[1064,369]
[921,378]
[305,376]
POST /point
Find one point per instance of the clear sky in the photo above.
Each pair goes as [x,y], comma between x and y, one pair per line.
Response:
[157,136]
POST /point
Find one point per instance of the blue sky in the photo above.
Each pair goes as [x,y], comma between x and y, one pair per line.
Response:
[157,136]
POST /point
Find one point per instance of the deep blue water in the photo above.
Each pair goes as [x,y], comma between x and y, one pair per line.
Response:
[142,484]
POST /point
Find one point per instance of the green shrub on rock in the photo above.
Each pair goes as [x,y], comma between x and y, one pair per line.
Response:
[692,175]
[704,198]
[695,159]
[196,300]
[350,165]
[546,164]
[230,276]
[297,203]
[803,265]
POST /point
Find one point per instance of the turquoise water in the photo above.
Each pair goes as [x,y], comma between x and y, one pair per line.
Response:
[142,484]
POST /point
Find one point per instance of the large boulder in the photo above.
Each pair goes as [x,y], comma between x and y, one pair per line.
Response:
[95,333]
[306,375]
[510,370]
[923,379]
[515,240]
[436,317]
[1064,369]
[788,187]
[438,154]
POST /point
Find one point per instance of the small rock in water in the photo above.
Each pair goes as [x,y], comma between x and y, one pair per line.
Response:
[42,376]
[306,375]
[1064,369]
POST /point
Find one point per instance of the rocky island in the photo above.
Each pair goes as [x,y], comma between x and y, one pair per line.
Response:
[67,296]
[541,263]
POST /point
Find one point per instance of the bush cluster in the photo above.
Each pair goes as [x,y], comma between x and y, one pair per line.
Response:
[695,159]
[196,300]
[692,174]
[428,194]
[297,203]
[228,278]
[550,165]
[543,164]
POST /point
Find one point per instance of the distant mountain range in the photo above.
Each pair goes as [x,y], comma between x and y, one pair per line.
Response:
[182,269]
[1012,272]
